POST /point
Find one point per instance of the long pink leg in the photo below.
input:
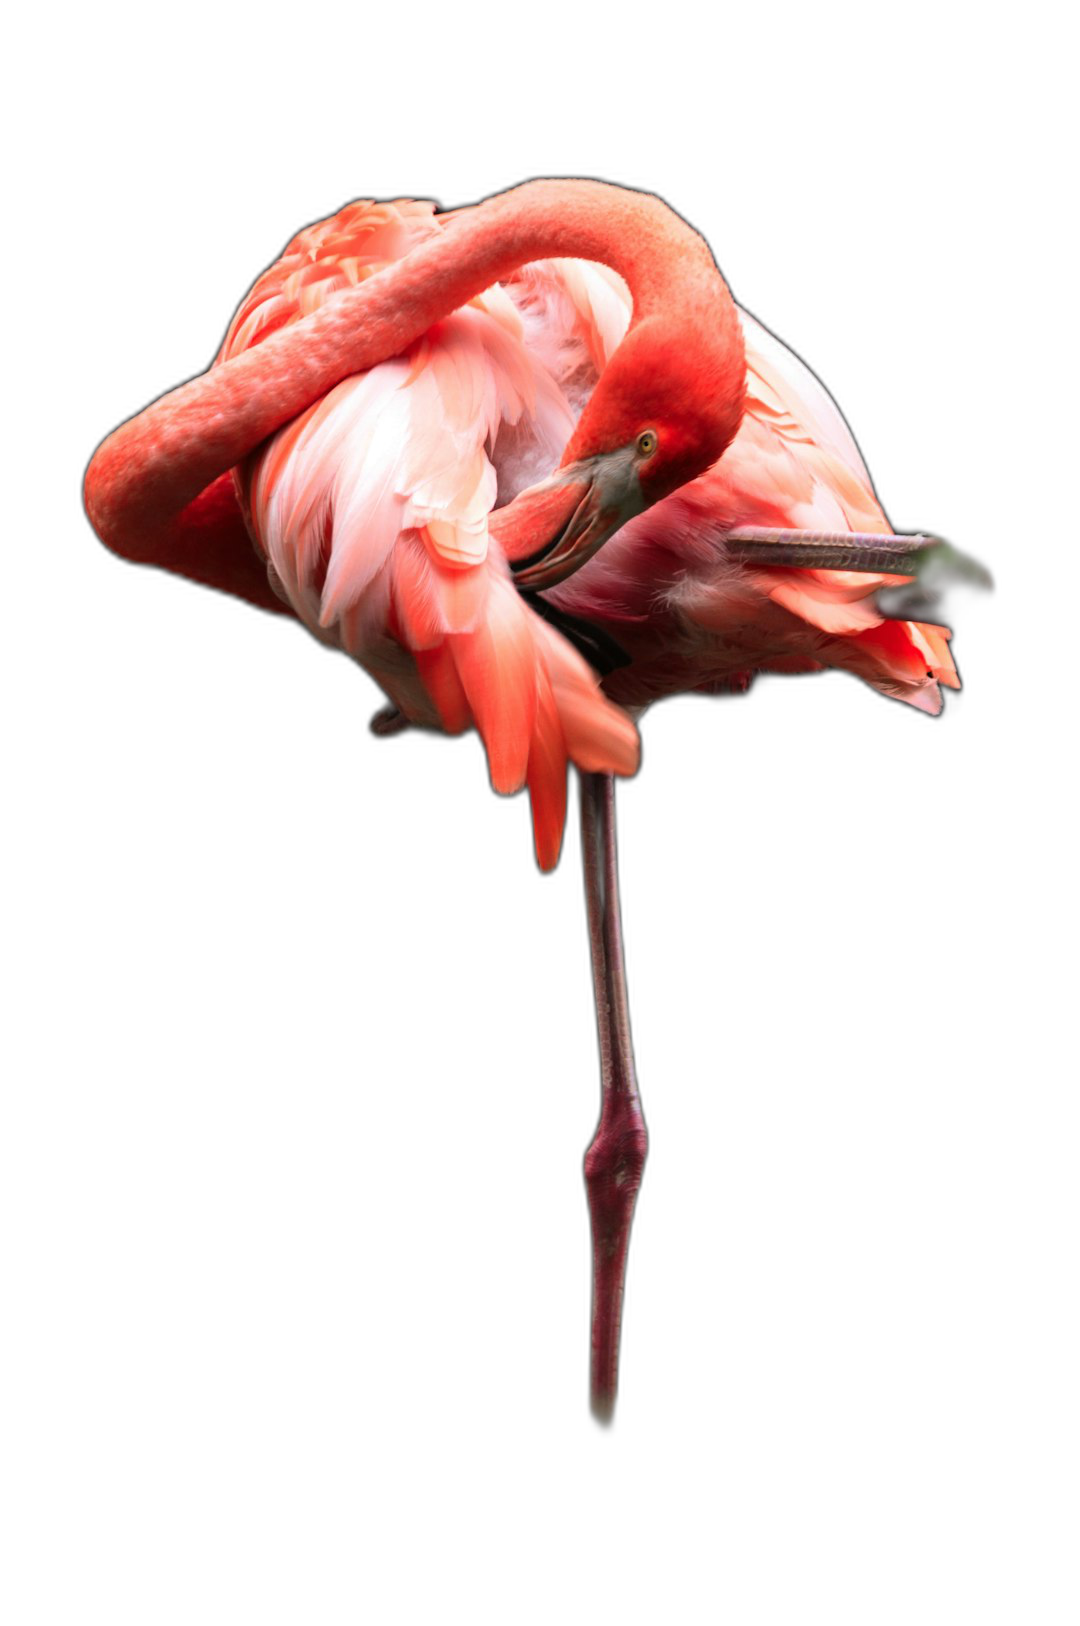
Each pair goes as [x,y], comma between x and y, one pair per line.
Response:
[615,1160]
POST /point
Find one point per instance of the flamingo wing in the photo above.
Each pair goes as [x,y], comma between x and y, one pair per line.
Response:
[371,511]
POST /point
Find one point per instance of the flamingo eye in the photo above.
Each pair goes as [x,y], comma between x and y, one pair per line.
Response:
[647,442]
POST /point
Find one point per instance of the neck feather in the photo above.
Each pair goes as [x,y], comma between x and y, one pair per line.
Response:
[661,258]
[156,463]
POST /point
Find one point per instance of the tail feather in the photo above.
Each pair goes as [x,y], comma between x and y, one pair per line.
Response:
[537,705]
[907,660]
[496,663]
[547,775]
[441,682]
[600,736]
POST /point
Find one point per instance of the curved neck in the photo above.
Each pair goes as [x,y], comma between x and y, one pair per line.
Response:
[659,256]
[156,463]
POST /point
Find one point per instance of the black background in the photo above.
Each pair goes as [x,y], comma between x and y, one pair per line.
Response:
[332,1192]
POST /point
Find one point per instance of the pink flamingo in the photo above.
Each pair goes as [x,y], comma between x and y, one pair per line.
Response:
[530,465]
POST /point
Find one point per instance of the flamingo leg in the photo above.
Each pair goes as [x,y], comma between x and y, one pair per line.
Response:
[615,1159]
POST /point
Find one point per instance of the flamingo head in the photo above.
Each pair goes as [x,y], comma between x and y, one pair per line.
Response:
[666,408]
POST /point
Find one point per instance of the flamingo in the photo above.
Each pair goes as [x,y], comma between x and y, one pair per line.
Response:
[532,467]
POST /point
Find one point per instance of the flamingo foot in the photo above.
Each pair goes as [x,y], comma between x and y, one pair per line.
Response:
[616,1158]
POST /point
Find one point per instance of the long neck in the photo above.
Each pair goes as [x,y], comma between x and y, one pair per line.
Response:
[156,463]
[634,233]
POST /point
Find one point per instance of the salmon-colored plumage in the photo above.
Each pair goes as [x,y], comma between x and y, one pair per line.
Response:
[371,509]
[467,447]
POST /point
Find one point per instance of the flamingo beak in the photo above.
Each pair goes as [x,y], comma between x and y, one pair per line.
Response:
[550,530]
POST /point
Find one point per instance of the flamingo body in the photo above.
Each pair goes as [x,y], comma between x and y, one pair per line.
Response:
[372,510]
[454,438]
